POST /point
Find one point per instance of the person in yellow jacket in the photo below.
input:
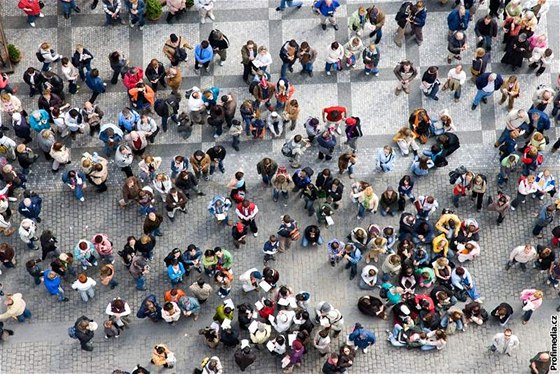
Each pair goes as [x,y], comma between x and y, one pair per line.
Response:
[448,224]
[440,246]
[15,308]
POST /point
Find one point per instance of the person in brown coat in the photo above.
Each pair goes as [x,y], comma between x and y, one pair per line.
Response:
[175,200]
[200,162]
[248,54]
[98,174]
[346,161]
[152,222]
[291,113]
[130,191]
[7,255]
[510,91]
[173,78]
[229,103]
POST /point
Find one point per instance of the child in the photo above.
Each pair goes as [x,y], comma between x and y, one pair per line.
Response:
[270,249]
[111,330]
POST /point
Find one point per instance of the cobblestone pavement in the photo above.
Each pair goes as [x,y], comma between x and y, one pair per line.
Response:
[42,345]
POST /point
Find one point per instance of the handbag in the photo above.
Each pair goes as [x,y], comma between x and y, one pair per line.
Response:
[295,234]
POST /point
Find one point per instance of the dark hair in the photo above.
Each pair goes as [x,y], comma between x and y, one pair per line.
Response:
[94,73]
[334,45]
[204,44]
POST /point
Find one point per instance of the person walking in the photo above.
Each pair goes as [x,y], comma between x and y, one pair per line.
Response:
[362,338]
[326,10]
[486,85]
[532,300]
[84,331]
[16,308]
[85,286]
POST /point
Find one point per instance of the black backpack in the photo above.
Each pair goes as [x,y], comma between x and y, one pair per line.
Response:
[455,174]
[252,86]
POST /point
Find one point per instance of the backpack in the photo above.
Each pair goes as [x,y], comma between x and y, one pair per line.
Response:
[308,171]
[252,86]
[72,332]
[287,149]
[160,107]
[404,11]
[40,57]
[180,54]
[455,174]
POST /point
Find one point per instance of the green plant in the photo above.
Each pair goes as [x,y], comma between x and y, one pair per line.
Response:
[190,3]
[153,9]
[14,53]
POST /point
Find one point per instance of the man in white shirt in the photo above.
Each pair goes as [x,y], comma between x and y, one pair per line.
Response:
[522,255]
[456,77]
[504,342]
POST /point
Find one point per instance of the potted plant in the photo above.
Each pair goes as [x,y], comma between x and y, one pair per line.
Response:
[14,54]
[153,10]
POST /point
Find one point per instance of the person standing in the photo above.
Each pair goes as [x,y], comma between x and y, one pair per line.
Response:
[32,9]
[203,55]
[326,10]
[458,19]
[246,212]
[84,330]
[522,255]
[16,308]
[405,73]
[95,84]
[540,364]
[52,283]
[205,8]
[418,21]
[486,85]
[220,44]
[456,45]
[361,337]
[85,286]
[532,300]
[136,10]
[112,9]
[306,56]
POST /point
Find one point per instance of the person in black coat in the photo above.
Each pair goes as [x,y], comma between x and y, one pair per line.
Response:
[449,142]
[219,43]
[331,365]
[485,29]
[323,179]
[81,59]
[217,155]
[516,50]
[406,226]
[54,82]
[244,316]
[84,333]
[372,306]
[150,308]
[34,79]
[311,236]
[244,356]
[502,313]
[48,243]
[229,337]
[155,72]
[335,190]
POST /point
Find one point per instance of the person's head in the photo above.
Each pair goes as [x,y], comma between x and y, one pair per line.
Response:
[94,73]
[174,38]
[508,333]
[387,150]
[335,46]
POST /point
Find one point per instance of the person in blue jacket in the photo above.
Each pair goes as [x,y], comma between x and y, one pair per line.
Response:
[203,55]
[175,271]
[95,84]
[150,308]
[301,179]
[30,206]
[326,10]
[418,21]
[486,84]
[458,19]
[326,143]
[538,120]
[128,118]
[210,96]
[52,283]
[361,337]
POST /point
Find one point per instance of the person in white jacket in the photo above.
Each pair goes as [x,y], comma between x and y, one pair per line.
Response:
[335,54]
[250,280]
[283,320]
[274,124]
[527,185]
[196,107]
[523,255]
[119,310]
[162,184]
[170,312]
[205,8]
[7,147]
[504,342]
[26,232]
[85,286]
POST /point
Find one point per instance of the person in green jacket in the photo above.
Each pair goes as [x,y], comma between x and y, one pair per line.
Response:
[225,258]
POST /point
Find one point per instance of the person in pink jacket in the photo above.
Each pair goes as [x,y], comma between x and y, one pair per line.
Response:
[104,247]
[532,300]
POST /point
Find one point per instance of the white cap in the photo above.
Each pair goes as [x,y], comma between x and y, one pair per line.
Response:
[244,343]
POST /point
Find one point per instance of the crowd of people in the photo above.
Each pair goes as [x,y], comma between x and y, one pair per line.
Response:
[418,270]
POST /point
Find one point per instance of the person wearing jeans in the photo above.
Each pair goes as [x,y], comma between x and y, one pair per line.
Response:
[290,4]
[353,255]
[522,255]
[52,283]
[85,286]
[486,84]
[15,308]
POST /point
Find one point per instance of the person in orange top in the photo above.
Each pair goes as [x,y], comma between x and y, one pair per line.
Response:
[173,295]
[141,96]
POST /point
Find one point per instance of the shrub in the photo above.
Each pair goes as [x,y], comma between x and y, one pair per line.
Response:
[14,53]
[153,9]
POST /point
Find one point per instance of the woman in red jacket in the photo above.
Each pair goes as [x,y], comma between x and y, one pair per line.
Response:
[32,9]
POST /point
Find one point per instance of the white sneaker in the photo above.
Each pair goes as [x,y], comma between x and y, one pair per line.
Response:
[256,234]
[32,24]
[328,73]
[364,350]
[41,15]
[203,20]
[367,72]
[82,199]
[221,63]
[338,131]
[211,16]
[12,198]
[141,28]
